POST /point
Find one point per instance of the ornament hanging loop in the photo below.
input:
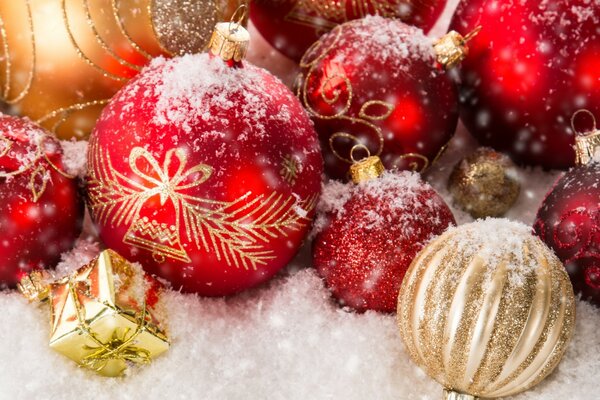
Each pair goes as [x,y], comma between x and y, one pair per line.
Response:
[587,144]
[472,34]
[356,148]
[577,114]
[238,18]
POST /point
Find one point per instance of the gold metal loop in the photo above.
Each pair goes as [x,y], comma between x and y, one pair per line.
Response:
[357,147]
[473,33]
[576,114]
[234,23]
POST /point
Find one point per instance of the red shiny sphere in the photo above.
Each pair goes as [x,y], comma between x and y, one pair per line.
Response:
[532,66]
[42,211]
[292,26]
[569,222]
[370,240]
[375,82]
[204,173]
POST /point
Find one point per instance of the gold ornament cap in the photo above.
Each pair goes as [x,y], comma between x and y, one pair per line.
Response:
[367,169]
[230,40]
[587,144]
[452,48]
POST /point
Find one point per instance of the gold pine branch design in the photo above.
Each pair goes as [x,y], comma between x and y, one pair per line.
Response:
[236,232]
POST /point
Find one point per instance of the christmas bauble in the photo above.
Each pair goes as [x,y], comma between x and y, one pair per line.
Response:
[292,26]
[569,222]
[486,310]
[41,212]
[375,82]
[211,183]
[63,59]
[485,184]
[372,236]
[532,66]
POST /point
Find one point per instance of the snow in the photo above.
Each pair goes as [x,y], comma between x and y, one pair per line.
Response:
[285,340]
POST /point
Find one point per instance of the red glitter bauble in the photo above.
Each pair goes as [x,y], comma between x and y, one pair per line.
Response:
[569,222]
[375,82]
[204,173]
[372,233]
[292,26]
[42,211]
[533,64]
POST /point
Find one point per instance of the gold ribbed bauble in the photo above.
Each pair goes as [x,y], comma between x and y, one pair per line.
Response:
[487,310]
[62,60]
[485,184]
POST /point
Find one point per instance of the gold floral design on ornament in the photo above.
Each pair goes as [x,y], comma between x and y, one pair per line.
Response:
[38,167]
[290,168]
[236,232]
[371,112]
[327,14]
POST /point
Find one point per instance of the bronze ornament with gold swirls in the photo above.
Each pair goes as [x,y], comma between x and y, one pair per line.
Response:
[62,60]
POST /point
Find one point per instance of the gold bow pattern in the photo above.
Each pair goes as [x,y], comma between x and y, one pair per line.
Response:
[119,347]
[235,231]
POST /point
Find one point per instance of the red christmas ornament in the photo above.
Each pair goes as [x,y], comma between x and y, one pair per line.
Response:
[292,26]
[373,233]
[375,82]
[532,66]
[569,219]
[42,212]
[205,173]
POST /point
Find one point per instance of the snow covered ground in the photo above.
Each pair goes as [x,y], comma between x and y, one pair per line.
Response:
[286,340]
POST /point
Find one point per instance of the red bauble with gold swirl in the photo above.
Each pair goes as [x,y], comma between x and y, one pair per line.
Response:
[292,26]
[569,219]
[375,82]
[42,211]
[531,67]
[206,174]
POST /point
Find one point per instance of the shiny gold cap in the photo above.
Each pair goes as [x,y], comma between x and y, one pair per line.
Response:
[452,48]
[230,40]
[586,143]
[35,287]
[367,169]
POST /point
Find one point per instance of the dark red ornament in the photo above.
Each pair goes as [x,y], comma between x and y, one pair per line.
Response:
[371,237]
[292,26]
[569,220]
[376,82]
[206,174]
[533,64]
[42,211]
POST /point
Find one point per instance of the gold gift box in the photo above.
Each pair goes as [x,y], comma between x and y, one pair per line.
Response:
[103,314]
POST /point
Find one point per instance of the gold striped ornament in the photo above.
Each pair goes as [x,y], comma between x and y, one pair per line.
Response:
[487,310]
[62,60]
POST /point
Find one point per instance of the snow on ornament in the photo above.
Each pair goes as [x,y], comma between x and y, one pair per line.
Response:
[42,211]
[569,218]
[371,230]
[533,65]
[487,310]
[206,170]
[377,82]
[292,26]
